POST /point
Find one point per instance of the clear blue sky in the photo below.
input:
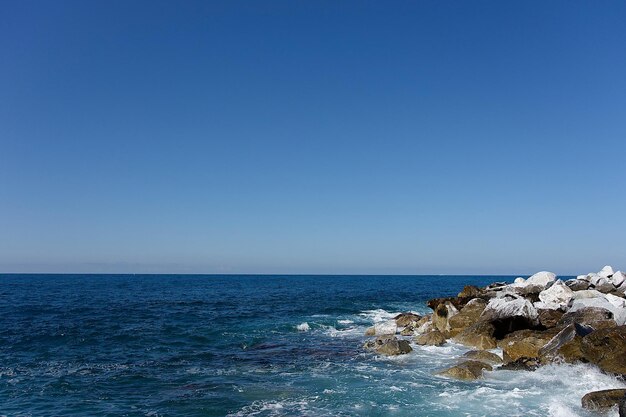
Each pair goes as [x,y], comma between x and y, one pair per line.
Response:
[312,137]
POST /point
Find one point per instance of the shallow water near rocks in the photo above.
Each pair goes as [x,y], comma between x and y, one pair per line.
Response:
[141,345]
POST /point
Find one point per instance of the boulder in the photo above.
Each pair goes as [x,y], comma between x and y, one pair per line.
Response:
[510,314]
[382,328]
[405,319]
[557,296]
[577,284]
[466,317]
[457,302]
[622,407]
[542,278]
[606,348]
[565,345]
[618,278]
[483,356]
[378,342]
[394,347]
[432,338]
[467,370]
[604,285]
[524,344]
[470,291]
[603,400]
[479,335]
[530,292]
[590,316]
[619,313]
[549,318]
[442,315]
[606,272]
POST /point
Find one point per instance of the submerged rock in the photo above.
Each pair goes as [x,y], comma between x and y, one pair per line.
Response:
[467,370]
[394,347]
[483,356]
[432,338]
[606,348]
[603,400]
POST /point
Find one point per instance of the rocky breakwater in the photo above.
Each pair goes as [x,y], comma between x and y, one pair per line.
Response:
[535,321]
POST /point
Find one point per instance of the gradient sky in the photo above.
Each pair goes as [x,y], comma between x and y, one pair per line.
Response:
[312,137]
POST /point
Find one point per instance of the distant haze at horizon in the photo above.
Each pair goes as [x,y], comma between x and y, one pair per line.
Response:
[323,138]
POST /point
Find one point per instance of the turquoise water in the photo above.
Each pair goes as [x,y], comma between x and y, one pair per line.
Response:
[245,346]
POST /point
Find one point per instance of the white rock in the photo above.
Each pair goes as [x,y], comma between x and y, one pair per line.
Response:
[594,279]
[518,283]
[606,272]
[385,327]
[500,308]
[578,295]
[541,278]
[618,302]
[557,296]
[619,313]
[426,327]
[618,278]
[583,277]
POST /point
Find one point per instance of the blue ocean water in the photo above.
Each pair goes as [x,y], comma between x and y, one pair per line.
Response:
[176,345]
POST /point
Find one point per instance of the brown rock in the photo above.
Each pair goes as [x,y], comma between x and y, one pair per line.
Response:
[603,400]
[470,291]
[595,317]
[395,347]
[442,315]
[565,345]
[466,317]
[457,302]
[378,342]
[483,356]
[607,349]
[406,319]
[479,335]
[524,344]
[432,338]
[549,318]
[522,364]
[468,370]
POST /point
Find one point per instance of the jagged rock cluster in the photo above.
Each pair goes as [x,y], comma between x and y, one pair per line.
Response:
[534,321]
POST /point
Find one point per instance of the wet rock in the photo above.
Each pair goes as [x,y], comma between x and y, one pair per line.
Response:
[394,347]
[378,342]
[406,319]
[442,315]
[524,344]
[557,296]
[432,338]
[466,317]
[590,316]
[467,370]
[479,335]
[603,400]
[565,345]
[483,356]
[549,318]
[606,348]
[522,364]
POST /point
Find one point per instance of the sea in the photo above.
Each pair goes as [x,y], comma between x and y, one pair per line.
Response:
[247,345]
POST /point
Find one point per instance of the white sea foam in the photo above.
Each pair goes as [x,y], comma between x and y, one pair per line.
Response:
[345,321]
[303,327]
[378,315]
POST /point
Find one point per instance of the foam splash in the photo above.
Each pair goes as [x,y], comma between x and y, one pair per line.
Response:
[303,327]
